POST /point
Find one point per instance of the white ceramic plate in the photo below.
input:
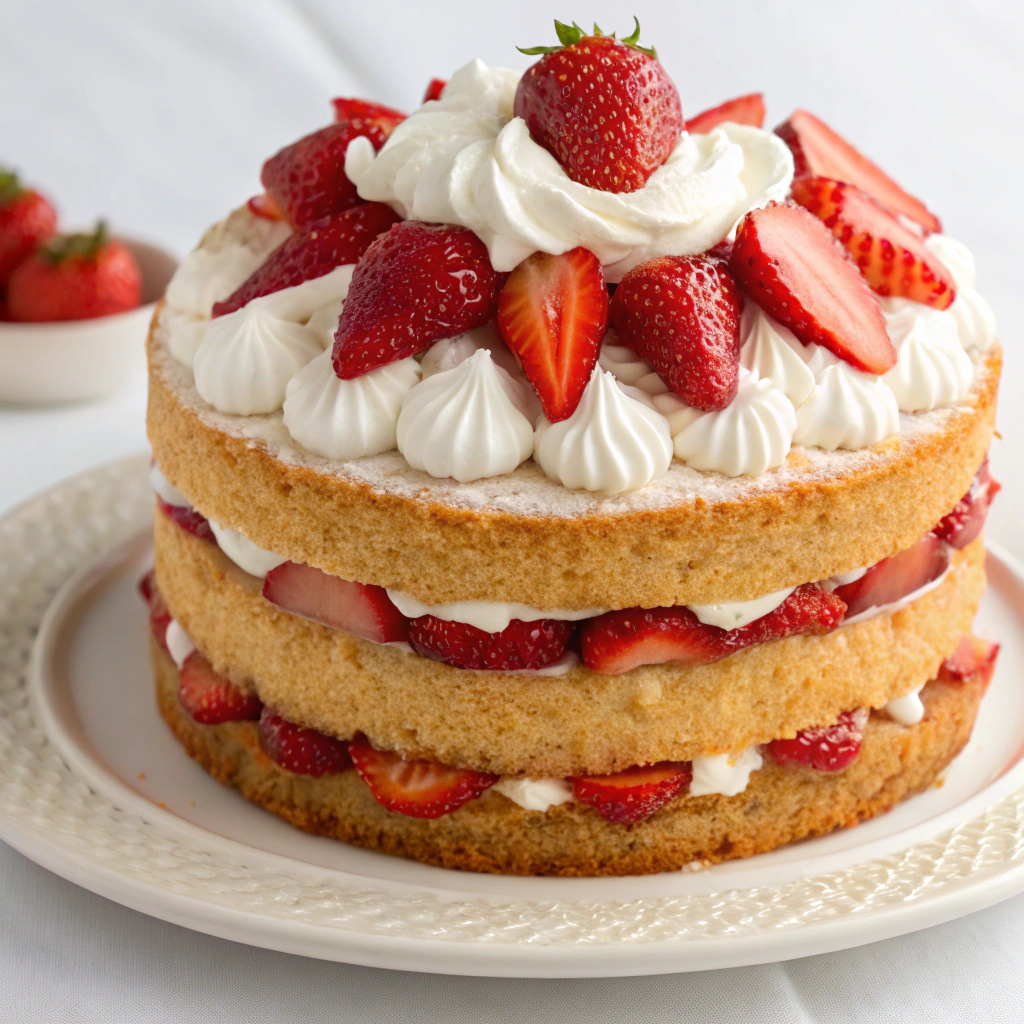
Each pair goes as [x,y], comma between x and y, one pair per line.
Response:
[94,787]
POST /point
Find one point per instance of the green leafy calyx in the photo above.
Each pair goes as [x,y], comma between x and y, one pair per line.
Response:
[569,35]
[86,246]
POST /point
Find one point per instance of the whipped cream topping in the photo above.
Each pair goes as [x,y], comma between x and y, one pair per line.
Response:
[626,366]
[614,442]
[249,557]
[465,159]
[324,322]
[908,709]
[733,614]
[490,616]
[299,302]
[535,794]
[976,323]
[752,434]
[347,419]
[771,350]
[246,359]
[165,490]
[932,369]
[179,644]
[206,276]
[468,423]
[727,774]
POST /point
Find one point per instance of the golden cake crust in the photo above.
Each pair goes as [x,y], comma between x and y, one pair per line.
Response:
[811,526]
[492,834]
[578,723]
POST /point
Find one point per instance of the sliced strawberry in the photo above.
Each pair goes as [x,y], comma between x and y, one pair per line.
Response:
[434,89]
[965,523]
[819,151]
[413,286]
[265,205]
[188,519]
[211,699]
[418,789]
[159,614]
[373,120]
[311,251]
[358,608]
[972,657]
[520,645]
[634,794]
[791,266]
[552,313]
[826,748]
[893,260]
[619,641]
[682,314]
[299,750]
[896,577]
[742,110]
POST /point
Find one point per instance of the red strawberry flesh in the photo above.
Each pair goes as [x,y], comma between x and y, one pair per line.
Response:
[520,645]
[634,794]
[358,608]
[300,750]
[742,110]
[434,89]
[27,220]
[211,699]
[965,523]
[972,657]
[826,748]
[188,519]
[373,120]
[159,614]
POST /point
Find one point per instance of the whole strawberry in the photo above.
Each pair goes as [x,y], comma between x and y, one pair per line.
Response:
[27,219]
[604,108]
[75,277]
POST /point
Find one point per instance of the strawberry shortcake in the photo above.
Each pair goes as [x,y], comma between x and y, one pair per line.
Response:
[550,483]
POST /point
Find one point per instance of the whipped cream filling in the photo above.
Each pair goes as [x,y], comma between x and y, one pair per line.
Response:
[179,644]
[249,557]
[165,490]
[734,614]
[535,794]
[725,774]
[466,159]
[490,616]
[908,709]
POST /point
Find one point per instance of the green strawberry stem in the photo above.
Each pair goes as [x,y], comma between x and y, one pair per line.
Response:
[569,35]
[82,246]
[10,186]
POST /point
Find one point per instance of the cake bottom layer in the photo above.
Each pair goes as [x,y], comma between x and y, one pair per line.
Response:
[781,804]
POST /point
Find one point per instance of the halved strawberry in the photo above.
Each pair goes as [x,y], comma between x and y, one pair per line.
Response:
[893,260]
[413,286]
[159,614]
[895,577]
[619,641]
[791,266]
[211,699]
[972,657]
[311,251]
[634,794]
[265,205]
[819,151]
[358,608]
[373,120]
[417,789]
[965,523]
[742,110]
[188,519]
[299,750]
[826,748]
[682,314]
[520,645]
[434,89]
[552,313]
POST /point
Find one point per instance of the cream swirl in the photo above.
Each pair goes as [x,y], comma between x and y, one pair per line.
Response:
[975,321]
[246,359]
[347,419]
[467,423]
[752,434]
[614,442]
[466,159]
[324,322]
[299,302]
[623,363]
[955,257]
[249,557]
[772,350]
[932,369]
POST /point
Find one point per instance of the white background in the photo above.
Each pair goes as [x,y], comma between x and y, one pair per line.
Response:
[159,113]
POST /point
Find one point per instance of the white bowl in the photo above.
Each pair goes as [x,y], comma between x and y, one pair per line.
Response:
[74,360]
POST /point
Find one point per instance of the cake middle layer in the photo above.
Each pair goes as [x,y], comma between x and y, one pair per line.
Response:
[577,723]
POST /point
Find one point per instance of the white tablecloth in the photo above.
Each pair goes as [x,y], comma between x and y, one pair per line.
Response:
[159,115]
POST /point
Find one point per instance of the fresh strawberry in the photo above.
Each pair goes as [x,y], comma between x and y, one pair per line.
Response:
[619,641]
[299,750]
[790,265]
[434,89]
[211,699]
[188,519]
[742,110]
[634,794]
[967,519]
[413,286]
[418,789]
[606,110]
[682,314]
[27,220]
[373,120]
[972,657]
[520,645]
[75,277]
[159,614]
[358,608]
[265,205]
[5,313]
[313,250]
[895,577]
[893,259]
[826,748]
[552,313]
[820,152]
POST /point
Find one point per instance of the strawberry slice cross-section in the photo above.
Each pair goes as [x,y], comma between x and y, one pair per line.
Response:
[634,794]
[965,523]
[826,748]
[159,614]
[742,110]
[188,519]
[417,789]
[210,699]
[972,657]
